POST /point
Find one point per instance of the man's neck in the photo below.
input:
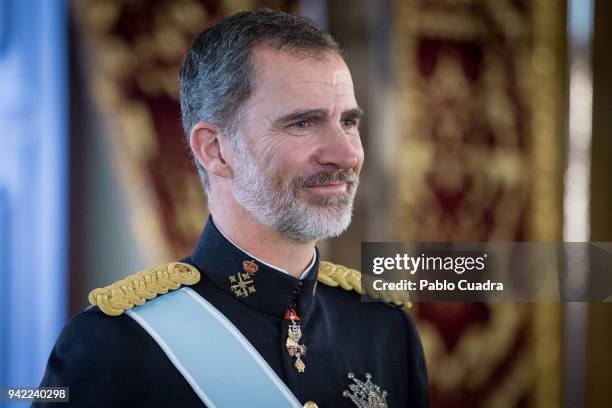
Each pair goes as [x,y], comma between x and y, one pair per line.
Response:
[253,237]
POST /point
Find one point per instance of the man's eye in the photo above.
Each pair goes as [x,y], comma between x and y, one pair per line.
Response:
[348,123]
[302,124]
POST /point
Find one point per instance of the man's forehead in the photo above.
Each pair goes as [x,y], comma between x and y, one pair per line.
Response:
[280,68]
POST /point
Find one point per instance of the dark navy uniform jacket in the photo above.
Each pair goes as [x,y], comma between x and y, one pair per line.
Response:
[113,362]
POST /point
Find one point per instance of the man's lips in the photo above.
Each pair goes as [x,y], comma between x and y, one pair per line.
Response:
[328,188]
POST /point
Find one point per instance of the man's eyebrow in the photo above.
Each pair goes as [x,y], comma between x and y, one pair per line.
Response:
[355,113]
[300,114]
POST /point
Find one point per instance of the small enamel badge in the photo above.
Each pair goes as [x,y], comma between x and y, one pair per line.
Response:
[365,394]
[242,283]
[249,266]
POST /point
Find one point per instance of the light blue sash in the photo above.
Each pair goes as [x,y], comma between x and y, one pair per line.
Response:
[219,363]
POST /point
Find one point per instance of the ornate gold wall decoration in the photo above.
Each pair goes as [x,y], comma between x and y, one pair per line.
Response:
[474,153]
[133,50]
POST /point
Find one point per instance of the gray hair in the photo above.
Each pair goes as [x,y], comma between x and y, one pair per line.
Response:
[216,74]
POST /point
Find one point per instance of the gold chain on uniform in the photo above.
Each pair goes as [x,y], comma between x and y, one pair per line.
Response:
[138,288]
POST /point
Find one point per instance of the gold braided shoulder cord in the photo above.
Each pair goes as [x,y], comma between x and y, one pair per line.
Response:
[145,285]
[350,279]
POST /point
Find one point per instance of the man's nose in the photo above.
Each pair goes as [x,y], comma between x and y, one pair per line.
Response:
[340,149]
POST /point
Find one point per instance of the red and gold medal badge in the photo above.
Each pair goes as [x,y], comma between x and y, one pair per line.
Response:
[295,334]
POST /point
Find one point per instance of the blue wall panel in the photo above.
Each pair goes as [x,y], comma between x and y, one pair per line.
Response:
[4,260]
[33,185]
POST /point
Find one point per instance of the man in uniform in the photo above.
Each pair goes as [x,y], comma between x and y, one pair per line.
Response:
[270,115]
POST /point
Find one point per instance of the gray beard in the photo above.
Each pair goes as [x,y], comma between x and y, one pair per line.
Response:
[281,209]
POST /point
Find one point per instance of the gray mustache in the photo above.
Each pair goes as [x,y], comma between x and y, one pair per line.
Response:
[325,177]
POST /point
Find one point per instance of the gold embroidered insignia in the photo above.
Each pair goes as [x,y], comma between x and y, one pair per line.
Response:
[242,283]
[365,394]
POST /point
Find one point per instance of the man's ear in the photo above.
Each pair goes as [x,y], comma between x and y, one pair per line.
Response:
[205,145]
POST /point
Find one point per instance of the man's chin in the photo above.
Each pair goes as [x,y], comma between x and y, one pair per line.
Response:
[329,222]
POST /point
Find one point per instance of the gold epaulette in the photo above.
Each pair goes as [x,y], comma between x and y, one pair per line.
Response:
[142,286]
[350,279]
